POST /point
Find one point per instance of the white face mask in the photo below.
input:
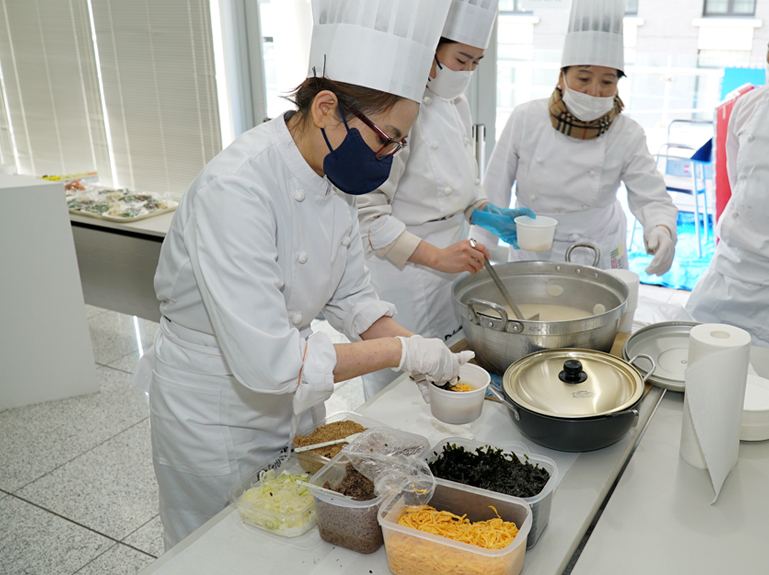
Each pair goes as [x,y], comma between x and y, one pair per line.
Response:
[449,84]
[585,107]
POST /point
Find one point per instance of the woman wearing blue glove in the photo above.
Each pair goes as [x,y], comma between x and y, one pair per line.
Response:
[500,221]
[414,227]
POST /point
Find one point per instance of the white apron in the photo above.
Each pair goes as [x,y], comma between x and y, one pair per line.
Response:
[735,288]
[605,228]
[208,430]
[439,182]
[422,295]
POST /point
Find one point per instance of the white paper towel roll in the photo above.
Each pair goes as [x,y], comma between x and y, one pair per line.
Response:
[715,377]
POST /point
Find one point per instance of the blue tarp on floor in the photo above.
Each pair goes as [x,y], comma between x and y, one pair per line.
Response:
[687,265]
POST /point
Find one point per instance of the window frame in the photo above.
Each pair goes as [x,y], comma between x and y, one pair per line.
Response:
[517,9]
[729,12]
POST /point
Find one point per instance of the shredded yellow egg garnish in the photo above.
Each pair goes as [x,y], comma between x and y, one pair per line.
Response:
[491,534]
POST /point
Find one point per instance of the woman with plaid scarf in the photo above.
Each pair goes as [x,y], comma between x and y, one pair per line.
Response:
[568,154]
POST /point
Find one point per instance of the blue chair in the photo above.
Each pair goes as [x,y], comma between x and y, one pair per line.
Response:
[688,173]
[686,170]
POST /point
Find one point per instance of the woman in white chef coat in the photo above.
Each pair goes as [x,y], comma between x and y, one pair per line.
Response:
[735,288]
[414,227]
[567,155]
[261,243]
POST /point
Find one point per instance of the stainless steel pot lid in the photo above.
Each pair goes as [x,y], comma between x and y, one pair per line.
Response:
[573,383]
[667,343]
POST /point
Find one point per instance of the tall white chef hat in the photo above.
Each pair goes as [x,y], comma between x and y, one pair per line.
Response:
[387,45]
[594,37]
[470,22]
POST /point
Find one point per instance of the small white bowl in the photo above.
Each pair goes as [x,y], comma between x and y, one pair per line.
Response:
[461,406]
[535,234]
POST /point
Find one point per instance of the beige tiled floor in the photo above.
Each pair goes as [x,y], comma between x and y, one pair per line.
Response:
[77,489]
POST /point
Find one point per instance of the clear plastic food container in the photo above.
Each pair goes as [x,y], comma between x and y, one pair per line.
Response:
[342,520]
[539,503]
[292,513]
[311,461]
[413,552]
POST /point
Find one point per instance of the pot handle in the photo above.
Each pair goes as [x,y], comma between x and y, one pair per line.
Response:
[651,360]
[503,400]
[596,251]
[484,320]
[627,412]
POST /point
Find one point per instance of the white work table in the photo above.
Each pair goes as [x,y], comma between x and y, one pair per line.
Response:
[156,226]
[225,545]
[660,519]
[117,262]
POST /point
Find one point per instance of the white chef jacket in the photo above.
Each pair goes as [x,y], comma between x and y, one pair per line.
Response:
[735,288]
[434,178]
[259,245]
[576,182]
[432,189]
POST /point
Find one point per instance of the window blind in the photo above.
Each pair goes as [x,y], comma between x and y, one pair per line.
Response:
[50,119]
[159,90]
[127,88]
[7,150]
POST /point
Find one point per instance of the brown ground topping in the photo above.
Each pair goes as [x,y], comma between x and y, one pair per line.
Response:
[354,484]
[329,432]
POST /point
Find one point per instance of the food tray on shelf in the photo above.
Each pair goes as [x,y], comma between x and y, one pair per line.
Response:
[115,204]
[294,511]
[312,461]
[540,503]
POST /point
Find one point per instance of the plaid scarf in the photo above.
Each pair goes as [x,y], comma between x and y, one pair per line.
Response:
[565,122]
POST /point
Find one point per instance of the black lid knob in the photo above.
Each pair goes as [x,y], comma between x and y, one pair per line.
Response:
[572,372]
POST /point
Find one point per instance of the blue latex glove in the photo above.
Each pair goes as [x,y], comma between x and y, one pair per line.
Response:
[500,221]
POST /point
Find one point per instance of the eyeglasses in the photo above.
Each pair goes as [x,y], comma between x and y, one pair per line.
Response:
[390,146]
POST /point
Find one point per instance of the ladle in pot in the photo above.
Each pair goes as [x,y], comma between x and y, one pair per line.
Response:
[503,289]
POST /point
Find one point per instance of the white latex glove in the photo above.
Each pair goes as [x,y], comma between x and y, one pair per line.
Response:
[430,360]
[660,244]
[424,387]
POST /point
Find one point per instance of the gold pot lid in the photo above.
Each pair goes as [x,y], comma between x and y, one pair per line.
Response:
[573,383]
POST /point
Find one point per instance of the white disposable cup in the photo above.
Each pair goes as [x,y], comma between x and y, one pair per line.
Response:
[632,281]
[535,234]
[461,406]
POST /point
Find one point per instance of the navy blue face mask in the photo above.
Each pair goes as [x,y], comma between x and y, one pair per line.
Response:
[353,166]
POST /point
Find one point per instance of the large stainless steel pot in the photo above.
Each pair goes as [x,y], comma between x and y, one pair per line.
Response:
[498,340]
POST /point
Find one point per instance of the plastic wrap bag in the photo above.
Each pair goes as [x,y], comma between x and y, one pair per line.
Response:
[117,204]
[651,311]
[392,460]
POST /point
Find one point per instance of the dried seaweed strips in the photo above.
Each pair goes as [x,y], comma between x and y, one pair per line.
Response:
[490,468]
